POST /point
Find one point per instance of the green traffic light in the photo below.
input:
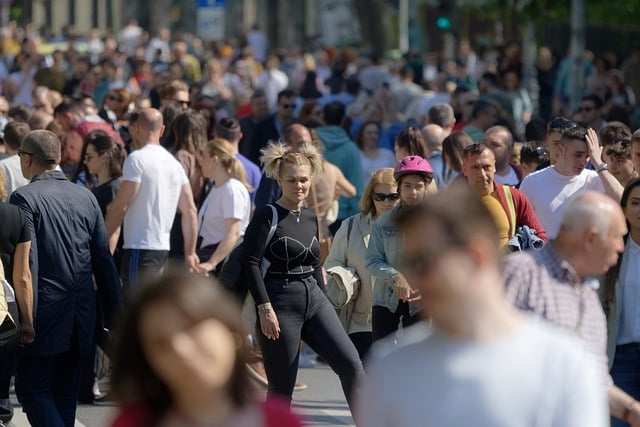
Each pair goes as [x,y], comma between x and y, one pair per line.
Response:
[443,23]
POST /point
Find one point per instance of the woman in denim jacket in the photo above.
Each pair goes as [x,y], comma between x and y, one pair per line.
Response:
[392,296]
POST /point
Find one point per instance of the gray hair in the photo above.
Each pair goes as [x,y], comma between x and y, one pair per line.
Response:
[582,213]
[441,115]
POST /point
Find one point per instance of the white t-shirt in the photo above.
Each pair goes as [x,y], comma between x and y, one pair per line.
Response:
[230,200]
[537,376]
[509,179]
[148,220]
[549,191]
[13,174]
[384,159]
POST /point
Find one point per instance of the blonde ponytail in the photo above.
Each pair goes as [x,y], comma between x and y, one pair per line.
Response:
[224,151]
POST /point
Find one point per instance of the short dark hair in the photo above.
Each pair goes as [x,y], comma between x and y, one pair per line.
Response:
[560,124]
[482,105]
[533,152]
[69,106]
[577,132]
[287,93]
[597,101]
[613,132]
[352,86]
[334,113]
[228,128]
[475,149]
[44,147]
[21,112]
[441,114]
[258,93]
[14,132]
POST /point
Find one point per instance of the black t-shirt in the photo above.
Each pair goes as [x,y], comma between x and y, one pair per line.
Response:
[105,193]
[13,230]
[294,248]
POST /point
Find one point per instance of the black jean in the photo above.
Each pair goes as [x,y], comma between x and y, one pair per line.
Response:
[139,266]
[47,386]
[363,342]
[384,322]
[305,313]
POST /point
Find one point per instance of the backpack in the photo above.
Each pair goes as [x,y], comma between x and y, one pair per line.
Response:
[8,327]
[232,274]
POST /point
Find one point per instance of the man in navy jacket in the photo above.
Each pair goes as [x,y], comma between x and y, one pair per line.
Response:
[69,248]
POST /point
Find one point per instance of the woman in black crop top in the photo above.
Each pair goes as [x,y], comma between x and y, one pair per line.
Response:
[290,302]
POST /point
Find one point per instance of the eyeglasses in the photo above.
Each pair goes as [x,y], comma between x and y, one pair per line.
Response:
[288,106]
[21,152]
[561,123]
[585,109]
[381,197]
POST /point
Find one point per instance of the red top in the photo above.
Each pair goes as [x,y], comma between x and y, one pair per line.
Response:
[276,414]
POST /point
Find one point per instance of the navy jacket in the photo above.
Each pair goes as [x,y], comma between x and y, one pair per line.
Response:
[69,244]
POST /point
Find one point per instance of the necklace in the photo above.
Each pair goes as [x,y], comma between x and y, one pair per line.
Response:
[296,214]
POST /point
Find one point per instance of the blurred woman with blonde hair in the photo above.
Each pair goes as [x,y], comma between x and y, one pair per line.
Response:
[224,214]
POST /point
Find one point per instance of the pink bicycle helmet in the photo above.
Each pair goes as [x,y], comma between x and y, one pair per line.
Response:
[413,165]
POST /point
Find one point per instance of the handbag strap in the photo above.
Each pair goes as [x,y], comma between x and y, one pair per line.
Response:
[274,223]
[315,208]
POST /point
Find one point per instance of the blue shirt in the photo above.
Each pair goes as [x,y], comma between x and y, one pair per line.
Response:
[69,247]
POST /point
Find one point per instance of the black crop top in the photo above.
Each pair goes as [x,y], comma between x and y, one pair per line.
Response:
[293,250]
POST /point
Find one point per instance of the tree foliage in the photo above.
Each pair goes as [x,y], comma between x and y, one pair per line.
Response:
[599,12]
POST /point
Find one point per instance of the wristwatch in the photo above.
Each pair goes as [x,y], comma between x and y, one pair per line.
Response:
[602,167]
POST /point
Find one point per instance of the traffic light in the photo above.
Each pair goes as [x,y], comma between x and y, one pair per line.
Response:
[443,17]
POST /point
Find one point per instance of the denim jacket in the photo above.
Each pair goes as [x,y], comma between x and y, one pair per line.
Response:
[382,260]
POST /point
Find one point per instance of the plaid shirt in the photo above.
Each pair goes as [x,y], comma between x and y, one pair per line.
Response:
[546,284]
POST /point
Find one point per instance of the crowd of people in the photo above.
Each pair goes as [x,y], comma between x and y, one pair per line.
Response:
[239,214]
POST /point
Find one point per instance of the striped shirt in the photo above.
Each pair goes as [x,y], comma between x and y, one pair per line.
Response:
[546,284]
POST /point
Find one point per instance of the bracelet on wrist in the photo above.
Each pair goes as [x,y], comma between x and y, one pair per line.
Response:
[265,309]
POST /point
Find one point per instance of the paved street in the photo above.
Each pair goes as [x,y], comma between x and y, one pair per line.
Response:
[322,404]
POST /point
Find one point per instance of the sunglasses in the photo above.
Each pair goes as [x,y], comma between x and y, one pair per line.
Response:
[288,106]
[561,123]
[381,197]
[21,152]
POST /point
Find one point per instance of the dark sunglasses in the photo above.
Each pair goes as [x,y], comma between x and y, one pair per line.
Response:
[21,152]
[381,197]
[288,106]
[561,123]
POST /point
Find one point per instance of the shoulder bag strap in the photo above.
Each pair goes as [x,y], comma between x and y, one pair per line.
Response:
[315,208]
[274,222]
[512,210]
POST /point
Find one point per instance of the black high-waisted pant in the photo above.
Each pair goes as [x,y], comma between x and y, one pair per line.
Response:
[305,313]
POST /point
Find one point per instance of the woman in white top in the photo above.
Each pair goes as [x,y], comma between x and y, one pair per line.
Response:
[372,157]
[224,214]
